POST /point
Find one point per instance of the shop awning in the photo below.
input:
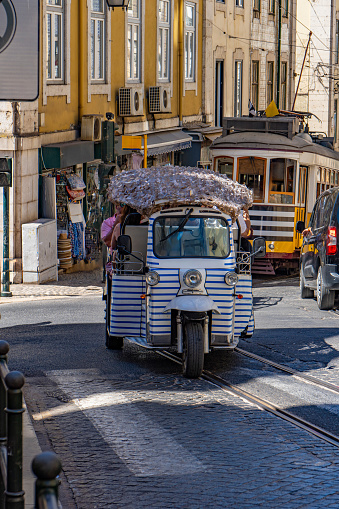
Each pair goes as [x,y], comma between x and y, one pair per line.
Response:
[162,142]
[62,155]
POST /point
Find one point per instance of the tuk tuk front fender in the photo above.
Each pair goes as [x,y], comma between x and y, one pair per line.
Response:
[197,303]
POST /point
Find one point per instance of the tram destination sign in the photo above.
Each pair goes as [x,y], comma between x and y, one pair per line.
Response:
[19,50]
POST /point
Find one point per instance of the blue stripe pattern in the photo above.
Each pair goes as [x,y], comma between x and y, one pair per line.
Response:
[160,296]
[126,306]
[222,296]
[244,306]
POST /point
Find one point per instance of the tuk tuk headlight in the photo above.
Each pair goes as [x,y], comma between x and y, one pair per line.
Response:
[152,278]
[231,278]
[192,278]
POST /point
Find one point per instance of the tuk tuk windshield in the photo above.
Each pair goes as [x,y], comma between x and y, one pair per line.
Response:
[200,237]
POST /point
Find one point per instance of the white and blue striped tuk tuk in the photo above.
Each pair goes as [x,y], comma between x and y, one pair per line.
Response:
[182,283]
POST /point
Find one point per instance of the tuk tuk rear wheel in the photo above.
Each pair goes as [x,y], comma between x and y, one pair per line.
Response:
[112,342]
[193,356]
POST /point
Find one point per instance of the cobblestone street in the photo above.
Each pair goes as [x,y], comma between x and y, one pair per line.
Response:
[131,432]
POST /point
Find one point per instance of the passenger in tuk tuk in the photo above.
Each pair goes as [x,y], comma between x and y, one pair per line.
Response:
[109,224]
[134,219]
[246,230]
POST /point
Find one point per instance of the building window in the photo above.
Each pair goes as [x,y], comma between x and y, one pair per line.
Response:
[97,35]
[270,81]
[337,41]
[238,88]
[55,40]
[239,3]
[190,34]
[134,40]
[255,84]
[164,39]
[284,8]
[271,6]
[283,87]
[256,8]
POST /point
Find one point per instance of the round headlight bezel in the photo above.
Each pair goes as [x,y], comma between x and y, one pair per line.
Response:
[152,278]
[231,278]
[191,274]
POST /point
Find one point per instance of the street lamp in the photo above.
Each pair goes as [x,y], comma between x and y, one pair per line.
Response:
[117,3]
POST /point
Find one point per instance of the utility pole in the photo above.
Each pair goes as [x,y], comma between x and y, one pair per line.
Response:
[5,183]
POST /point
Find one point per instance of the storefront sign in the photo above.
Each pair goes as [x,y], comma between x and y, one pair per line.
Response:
[131,142]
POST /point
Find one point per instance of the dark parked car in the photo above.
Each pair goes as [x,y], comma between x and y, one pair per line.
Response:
[319,260]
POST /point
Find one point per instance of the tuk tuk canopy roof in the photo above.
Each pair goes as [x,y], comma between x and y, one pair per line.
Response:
[150,189]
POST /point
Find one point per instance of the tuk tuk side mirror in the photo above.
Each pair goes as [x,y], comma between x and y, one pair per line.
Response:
[124,245]
[300,226]
[259,247]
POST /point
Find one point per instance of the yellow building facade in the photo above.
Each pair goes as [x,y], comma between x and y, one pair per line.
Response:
[84,86]
[142,65]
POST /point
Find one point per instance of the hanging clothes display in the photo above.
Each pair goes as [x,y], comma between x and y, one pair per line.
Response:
[76,234]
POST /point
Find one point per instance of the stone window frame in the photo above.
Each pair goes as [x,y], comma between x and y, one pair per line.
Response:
[189,84]
[102,87]
[141,23]
[52,89]
[169,26]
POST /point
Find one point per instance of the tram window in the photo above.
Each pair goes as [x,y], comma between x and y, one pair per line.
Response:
[277,183]
[225,167]
[302,185]
[252,174]
[282,180]
[336,178]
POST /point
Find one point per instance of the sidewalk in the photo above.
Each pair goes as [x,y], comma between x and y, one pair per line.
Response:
[68,285]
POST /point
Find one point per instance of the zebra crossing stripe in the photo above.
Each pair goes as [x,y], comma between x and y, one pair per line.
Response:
[144,446]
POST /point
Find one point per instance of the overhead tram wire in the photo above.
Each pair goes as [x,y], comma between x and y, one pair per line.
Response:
[270,41]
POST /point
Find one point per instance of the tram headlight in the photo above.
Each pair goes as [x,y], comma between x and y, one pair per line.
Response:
[192,278]
[152,278]
[231,278]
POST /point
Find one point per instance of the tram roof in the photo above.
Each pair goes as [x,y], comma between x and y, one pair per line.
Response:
[269,141]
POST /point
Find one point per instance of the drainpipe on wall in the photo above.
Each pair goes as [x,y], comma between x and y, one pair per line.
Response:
[82,49]
[279,54]
[180,57]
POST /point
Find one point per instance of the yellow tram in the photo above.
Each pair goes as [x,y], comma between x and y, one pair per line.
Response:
[286,170]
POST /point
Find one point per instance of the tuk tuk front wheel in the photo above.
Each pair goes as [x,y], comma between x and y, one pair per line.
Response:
[193,356]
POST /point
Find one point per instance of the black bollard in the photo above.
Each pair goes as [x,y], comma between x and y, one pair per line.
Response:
[46,467]
[4,349]
[14,494]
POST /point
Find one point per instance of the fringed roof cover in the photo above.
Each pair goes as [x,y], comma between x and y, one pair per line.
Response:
[150,189]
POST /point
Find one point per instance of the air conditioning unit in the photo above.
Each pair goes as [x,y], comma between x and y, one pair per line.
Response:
[131,102]
[91,127]
[159,99]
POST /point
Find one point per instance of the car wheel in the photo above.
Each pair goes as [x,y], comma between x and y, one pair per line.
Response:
[325,297]
[305,293]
